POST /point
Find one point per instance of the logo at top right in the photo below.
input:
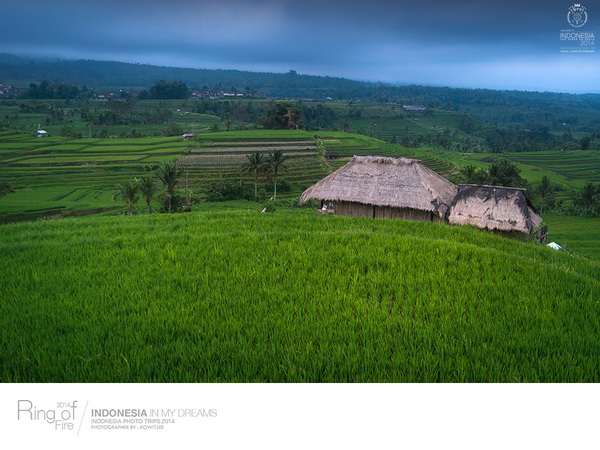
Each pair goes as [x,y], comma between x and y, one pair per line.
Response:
[577,16]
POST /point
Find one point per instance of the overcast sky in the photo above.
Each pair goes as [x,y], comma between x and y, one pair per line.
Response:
[494,44]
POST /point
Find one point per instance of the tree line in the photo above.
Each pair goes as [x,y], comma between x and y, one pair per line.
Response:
[55,90]
[168,174]
[269,165]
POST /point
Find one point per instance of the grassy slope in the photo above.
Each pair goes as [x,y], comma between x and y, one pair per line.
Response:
[237,296]
[580,235]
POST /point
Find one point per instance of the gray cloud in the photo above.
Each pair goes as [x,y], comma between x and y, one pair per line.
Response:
[504,44]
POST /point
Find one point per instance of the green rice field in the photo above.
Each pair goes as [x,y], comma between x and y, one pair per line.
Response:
[579,235]
[580,165]
[57,175]
[239,296]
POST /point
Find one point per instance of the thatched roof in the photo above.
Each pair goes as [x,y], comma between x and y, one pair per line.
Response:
[495,208]
[385,181]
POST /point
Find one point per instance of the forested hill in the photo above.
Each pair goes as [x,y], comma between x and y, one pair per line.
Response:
[505,108]
[110,75]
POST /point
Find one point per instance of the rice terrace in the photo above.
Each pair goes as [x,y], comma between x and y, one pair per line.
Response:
[250,279]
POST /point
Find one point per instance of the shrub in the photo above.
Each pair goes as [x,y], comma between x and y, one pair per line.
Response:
[176,203]
[269,206]
[223,190]
[282,186]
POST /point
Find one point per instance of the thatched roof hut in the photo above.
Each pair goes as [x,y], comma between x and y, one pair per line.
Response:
[377,186]
[496,208]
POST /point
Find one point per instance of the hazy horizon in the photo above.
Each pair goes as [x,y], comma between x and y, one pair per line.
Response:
[507,45]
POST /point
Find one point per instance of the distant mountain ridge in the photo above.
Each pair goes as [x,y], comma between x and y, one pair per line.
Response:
[110,75]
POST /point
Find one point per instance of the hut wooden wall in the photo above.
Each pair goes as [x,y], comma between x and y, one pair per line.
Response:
[388,212]
[354,209]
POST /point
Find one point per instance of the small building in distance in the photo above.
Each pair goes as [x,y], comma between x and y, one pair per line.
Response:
[188,137]
[41,133]
[506,210]
[384,187]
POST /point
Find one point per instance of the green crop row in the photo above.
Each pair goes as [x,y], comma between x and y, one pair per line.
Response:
[290,297]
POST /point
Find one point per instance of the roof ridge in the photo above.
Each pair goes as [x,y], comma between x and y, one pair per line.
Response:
[383,159]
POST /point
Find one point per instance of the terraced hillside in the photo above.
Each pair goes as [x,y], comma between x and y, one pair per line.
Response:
[310,157]
[579,166]
[57,176]
[213,160]
[339,151]
[390,121]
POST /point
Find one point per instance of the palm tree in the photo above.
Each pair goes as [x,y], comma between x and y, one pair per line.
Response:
[275,163]
[5,188]
[506,173]
[168,173]
[546,189]
[128,192]
[255,163]
[473,175]
[149,189]
[588,196]
[469,174]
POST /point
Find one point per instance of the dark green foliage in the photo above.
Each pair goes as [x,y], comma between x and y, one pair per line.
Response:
[505,173]
[501,173]
[165,90]
[131,133]
[538,138]
[129,193]
[236,111]
[282,186]
[473,175]
[587,199]
[467,124]
[585,202]
[585,142]
[69,131]
[284,116]
[222,190]
[171,203]
[148,189]
[168,173]
[5,188]
[47,90]
[275,163]
[545,190]
[173,130]
[319,117]
[255,164]
[269,206]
